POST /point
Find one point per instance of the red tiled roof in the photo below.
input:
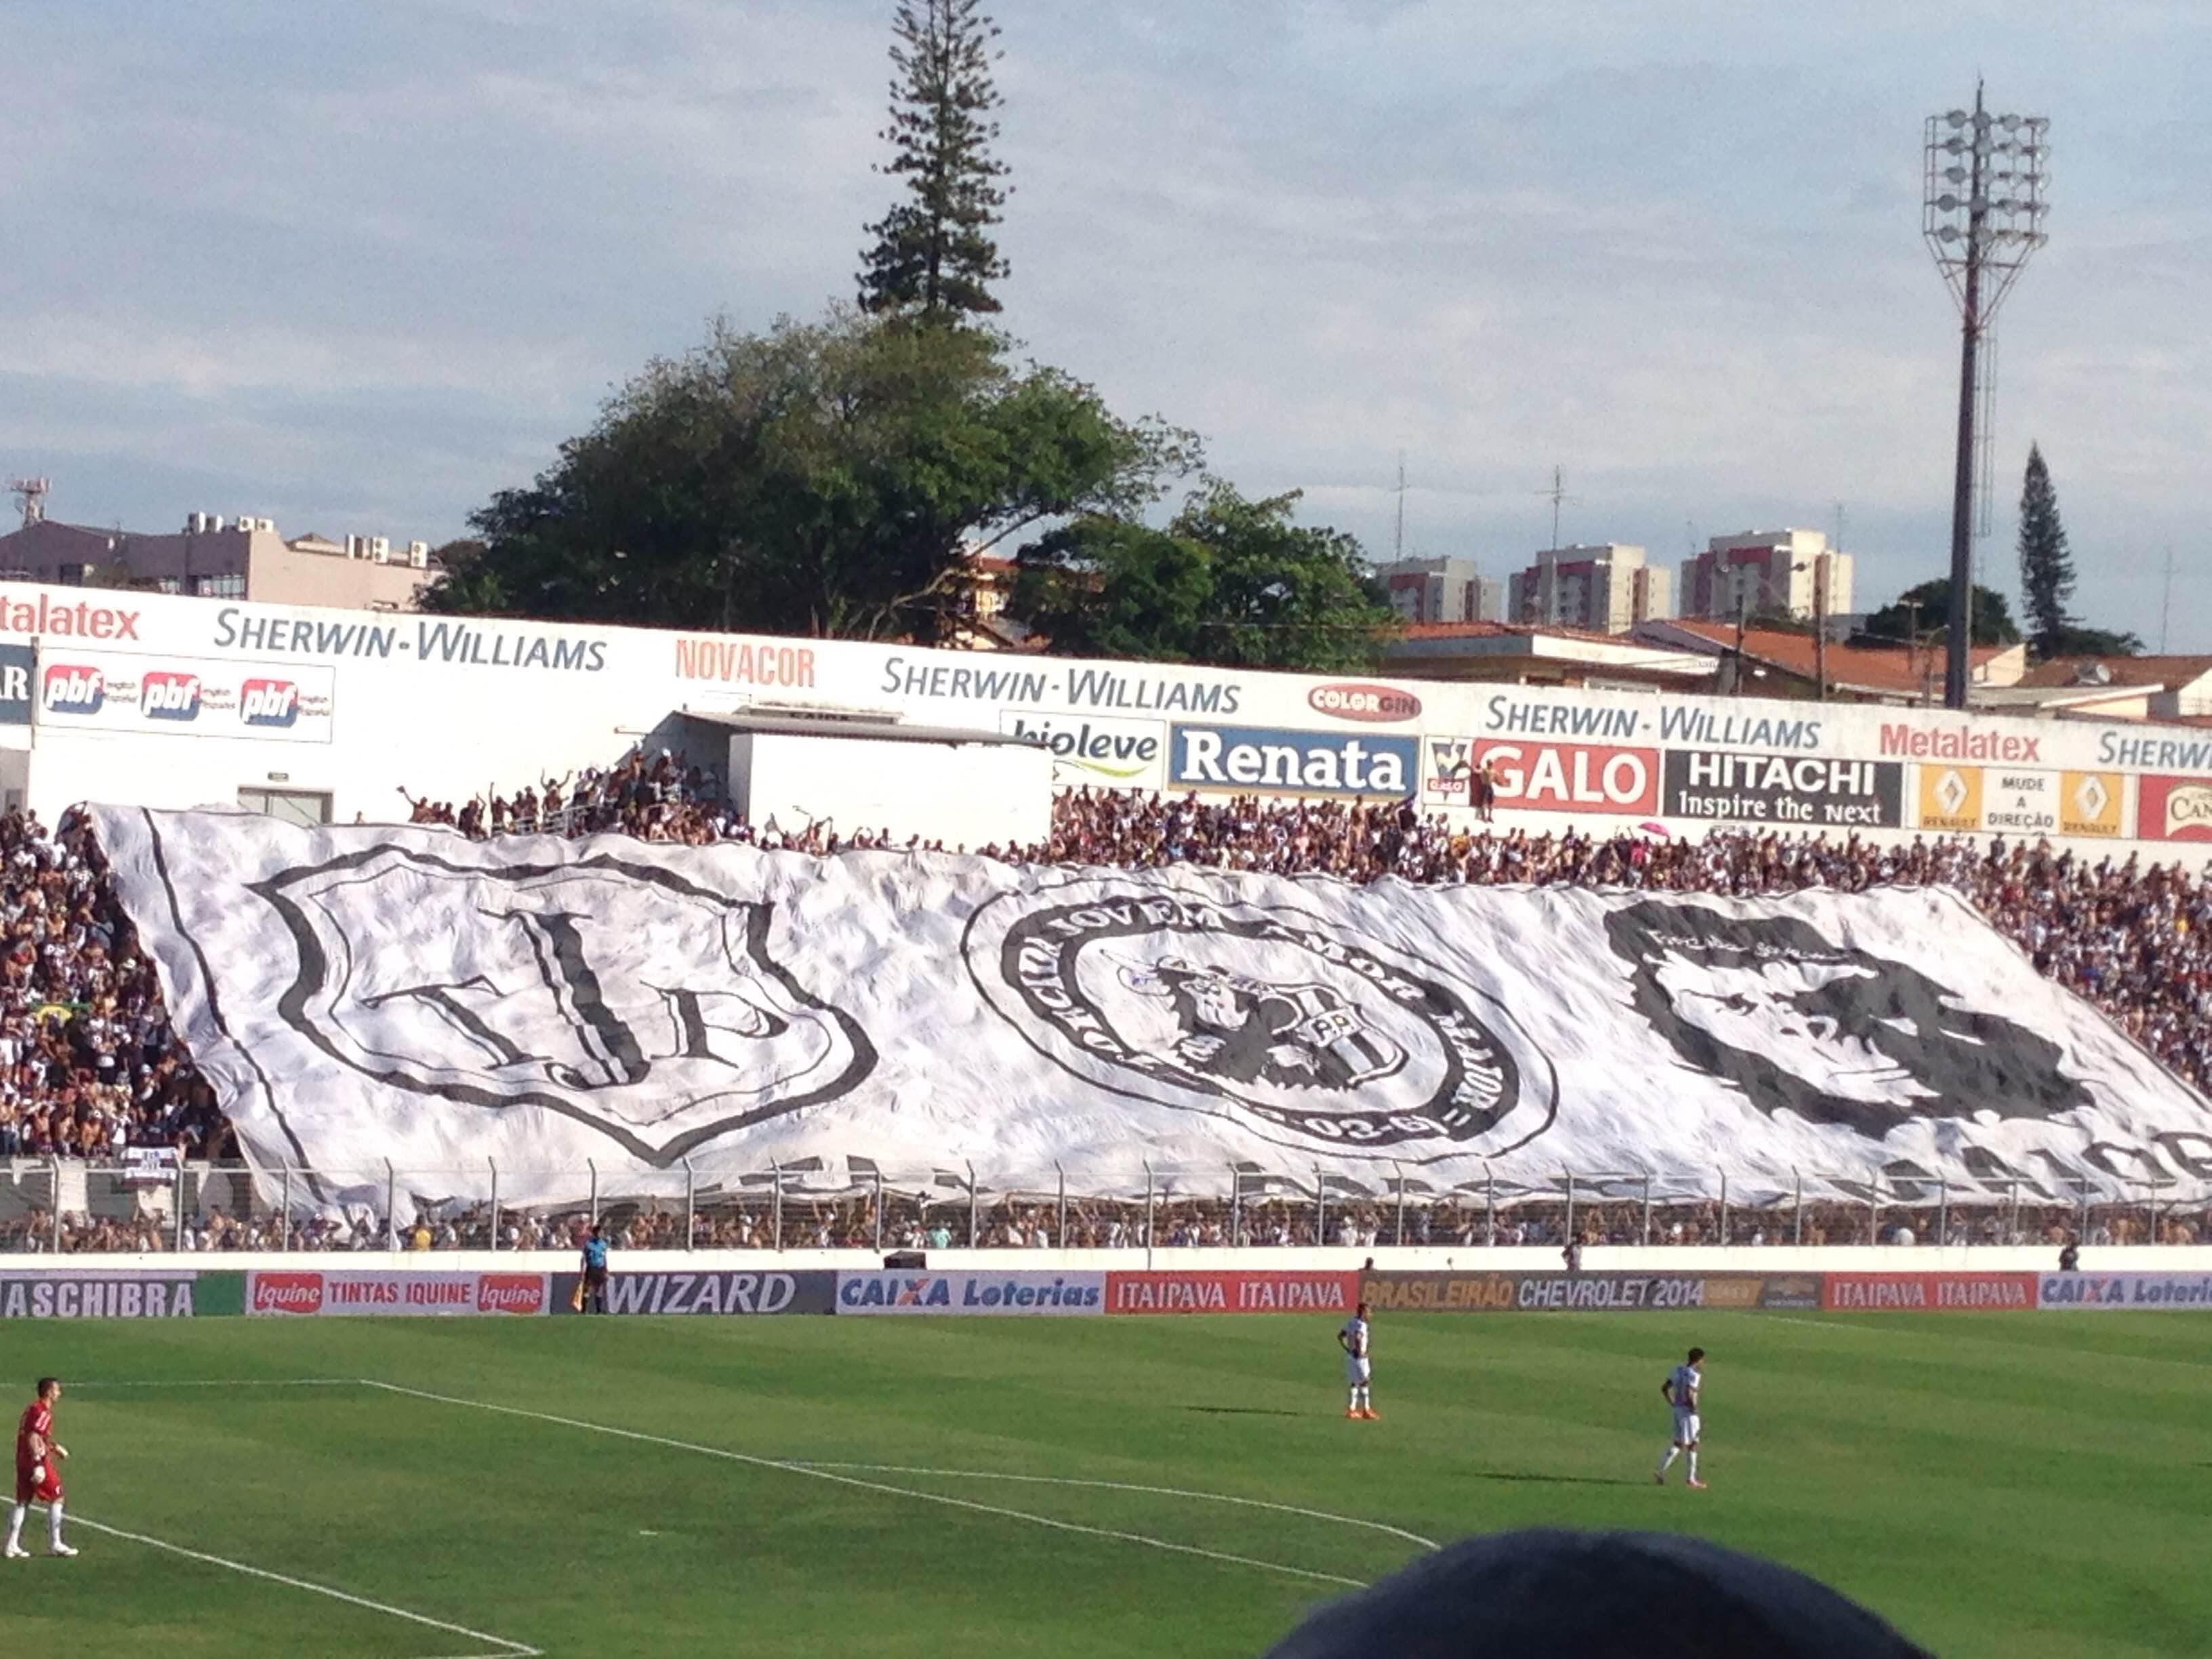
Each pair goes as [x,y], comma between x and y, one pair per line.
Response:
[2168,671]
[1886,668]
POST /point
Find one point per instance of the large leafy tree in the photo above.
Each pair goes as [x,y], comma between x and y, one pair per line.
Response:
[829,478]
[2046,566]
[1229,580]
[932,255]
[1916,617]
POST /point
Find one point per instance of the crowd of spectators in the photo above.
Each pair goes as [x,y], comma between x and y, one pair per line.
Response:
[90,1068]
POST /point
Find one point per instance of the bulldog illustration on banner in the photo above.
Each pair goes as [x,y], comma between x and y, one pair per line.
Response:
[378,996]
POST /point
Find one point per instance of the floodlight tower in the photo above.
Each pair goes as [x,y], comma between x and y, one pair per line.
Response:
[1982,214]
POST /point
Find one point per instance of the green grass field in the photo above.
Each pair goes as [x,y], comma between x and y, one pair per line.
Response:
[2014,1486]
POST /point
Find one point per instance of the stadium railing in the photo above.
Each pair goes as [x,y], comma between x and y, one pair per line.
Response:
[160,1204]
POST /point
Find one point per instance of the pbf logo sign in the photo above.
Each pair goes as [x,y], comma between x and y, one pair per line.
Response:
[269,703]
[72,689]
[166,695]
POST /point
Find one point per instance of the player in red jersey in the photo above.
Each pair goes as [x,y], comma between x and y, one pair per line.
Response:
[38,1472]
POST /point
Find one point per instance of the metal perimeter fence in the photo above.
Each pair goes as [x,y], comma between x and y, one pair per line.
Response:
[48,1205]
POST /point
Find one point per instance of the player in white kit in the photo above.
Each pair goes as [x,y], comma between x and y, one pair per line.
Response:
[1353,1338]
[1680,1389]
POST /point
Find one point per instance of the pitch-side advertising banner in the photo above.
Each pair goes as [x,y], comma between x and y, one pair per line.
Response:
[293,1293]
[365,994]
[1000,1293]
[1231,1293]
[1934,1293]
[2151,1292]
[740,1293]
[182,1294]
[1454,1292]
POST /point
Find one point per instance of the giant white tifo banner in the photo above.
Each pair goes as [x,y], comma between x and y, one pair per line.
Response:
[365,994]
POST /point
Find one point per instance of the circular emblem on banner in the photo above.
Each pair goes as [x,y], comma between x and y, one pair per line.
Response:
[1275,1016]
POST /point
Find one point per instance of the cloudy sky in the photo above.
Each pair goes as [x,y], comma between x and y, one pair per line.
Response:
[356,267]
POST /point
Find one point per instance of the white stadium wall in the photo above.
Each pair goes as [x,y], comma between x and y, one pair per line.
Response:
[960,794]
[171,701]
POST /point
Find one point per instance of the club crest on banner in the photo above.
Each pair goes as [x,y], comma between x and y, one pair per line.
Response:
[1271,1015]
[619,994]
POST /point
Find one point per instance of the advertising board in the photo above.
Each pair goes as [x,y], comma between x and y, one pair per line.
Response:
[168,1295]
[1233,1292]
[2175,809]
[1814,791]
[15,665]
[1936,1292]
[178,697]
[741,1293]
[999,1294]
[1572,777]
[1977,799]
[1586,1292]
[1275,761]
[2129,1293]
[306,1294]
[1092,748]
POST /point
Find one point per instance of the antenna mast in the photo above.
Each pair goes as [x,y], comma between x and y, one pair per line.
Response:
[1397,545]
[30,494]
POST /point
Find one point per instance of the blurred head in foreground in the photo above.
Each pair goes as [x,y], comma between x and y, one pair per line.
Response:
[1593,1596]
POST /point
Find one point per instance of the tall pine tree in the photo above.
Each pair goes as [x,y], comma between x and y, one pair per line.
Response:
[2046,568]
[933,257]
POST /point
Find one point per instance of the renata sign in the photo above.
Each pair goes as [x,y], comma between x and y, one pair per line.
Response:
[1927,1292]
[1572,777]
[1231,1293]
[1364,702]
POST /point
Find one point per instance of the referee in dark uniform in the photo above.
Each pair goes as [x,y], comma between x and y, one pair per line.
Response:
[595,1274]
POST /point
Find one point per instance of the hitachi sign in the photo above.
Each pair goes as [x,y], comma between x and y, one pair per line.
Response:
[1264,760]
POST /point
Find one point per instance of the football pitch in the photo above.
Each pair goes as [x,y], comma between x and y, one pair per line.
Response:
[399,1489]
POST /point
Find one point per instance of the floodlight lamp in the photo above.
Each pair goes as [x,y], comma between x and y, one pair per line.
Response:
[2007,122]
[1955,175]
[1956,118]
[1948,234]
[1955,146]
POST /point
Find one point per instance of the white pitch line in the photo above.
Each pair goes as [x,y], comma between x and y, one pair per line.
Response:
[227,1383]
[1124,1485]
[506,1649]
[870,1486]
